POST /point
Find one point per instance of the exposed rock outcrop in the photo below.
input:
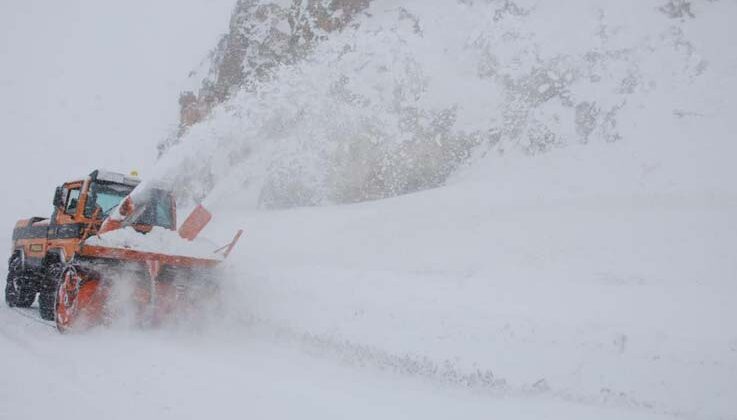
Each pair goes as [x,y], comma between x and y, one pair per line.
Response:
[262,36]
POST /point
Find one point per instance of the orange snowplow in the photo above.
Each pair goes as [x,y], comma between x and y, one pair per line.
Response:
[107,230]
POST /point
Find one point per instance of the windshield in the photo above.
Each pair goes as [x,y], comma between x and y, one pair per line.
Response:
[106,197]
[157,209]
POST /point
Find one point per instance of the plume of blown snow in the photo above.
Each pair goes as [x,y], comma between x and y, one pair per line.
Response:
[410,94]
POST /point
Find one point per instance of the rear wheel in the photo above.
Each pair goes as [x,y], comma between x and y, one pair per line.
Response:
[19,289]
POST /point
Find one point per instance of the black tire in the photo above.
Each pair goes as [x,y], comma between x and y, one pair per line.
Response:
[47,294]
[47,305]
[11,295]
[19,289]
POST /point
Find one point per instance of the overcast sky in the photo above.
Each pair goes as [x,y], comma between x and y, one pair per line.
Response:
[91,83]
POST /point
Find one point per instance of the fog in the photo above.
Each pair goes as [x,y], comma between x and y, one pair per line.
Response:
[88,84]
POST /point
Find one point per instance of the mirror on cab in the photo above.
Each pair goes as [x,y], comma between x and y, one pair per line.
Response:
[59,197]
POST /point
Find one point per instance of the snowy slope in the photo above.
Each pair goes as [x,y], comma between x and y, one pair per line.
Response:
[608,297]
[584,244]
[525,303]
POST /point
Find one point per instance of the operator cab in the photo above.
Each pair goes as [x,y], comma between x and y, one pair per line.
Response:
[106,191]
[96,198]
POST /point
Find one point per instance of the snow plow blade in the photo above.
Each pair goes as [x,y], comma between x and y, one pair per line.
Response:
[154,288]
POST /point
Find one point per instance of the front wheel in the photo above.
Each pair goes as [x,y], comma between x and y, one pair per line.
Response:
[66,304]
[78,302]
[18,289]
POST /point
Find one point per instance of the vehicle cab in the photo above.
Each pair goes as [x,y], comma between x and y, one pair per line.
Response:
[81,206]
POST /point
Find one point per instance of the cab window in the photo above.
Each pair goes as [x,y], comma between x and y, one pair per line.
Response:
[106,197]
[72,201]
[157,210]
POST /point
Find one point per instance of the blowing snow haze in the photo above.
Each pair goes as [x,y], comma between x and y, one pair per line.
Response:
[332,102]
[88,84]
[511,209]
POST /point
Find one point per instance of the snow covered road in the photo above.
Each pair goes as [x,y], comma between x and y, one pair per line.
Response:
[122,374]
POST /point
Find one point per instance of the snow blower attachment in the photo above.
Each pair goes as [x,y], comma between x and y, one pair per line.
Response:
[105,231]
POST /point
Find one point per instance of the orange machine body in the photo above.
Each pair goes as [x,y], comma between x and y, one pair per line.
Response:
[51,255]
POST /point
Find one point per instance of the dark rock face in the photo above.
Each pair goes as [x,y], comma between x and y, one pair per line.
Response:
[677,9]
[262,36]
